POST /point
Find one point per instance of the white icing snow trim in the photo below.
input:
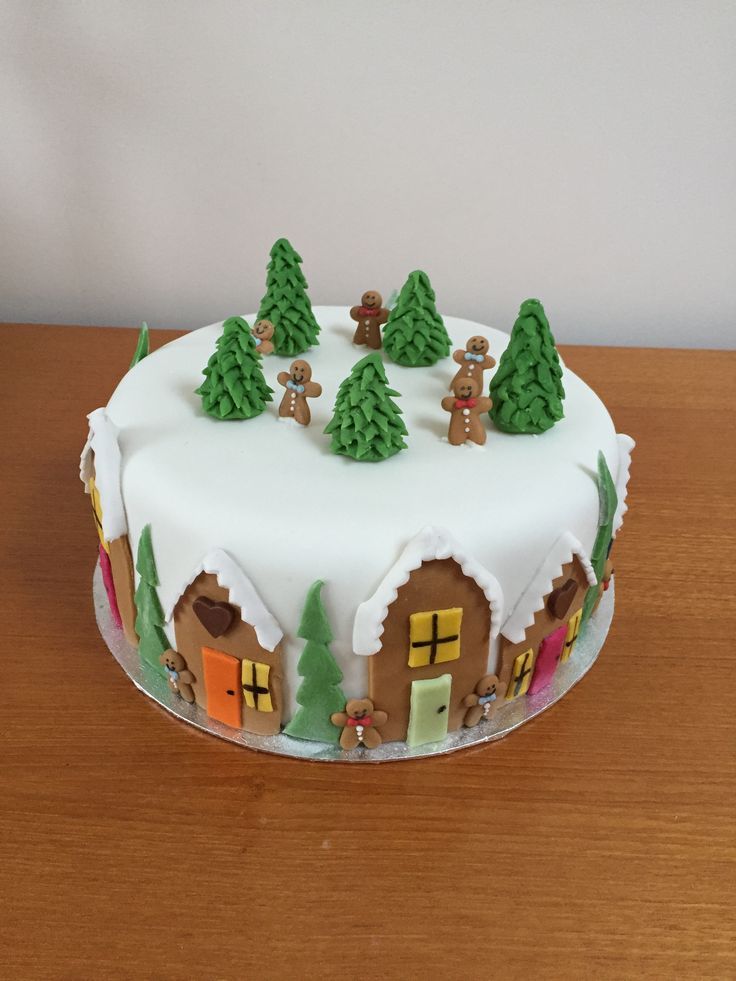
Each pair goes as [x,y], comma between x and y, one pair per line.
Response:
[430,543]
[625,445]
[103,442]
[532,599]
[242,593]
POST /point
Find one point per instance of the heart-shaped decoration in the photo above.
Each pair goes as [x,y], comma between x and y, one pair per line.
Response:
[216,618]
[560,600]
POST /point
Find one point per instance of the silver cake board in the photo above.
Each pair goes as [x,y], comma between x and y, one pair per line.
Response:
[509,716]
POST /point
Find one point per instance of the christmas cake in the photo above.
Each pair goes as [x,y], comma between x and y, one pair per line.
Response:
[419,544]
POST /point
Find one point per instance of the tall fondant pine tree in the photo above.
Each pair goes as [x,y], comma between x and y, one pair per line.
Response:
[608,502]
[319,694]
[366,422]
[286,303]
[149,621]
[415,334]
[527,389]
[234,386]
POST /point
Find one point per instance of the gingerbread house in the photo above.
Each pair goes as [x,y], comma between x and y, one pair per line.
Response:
[543,627]
[99,470]
[428,630]
[231,643]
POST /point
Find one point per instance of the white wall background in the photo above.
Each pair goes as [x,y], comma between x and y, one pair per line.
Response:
[581,152]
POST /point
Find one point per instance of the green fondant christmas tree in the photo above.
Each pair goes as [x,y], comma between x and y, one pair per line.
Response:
[143,346]
[286,303]
[234,386]
[319,694]
[366,423]
[149,621]
[415,334]
[608,502]
[527,389]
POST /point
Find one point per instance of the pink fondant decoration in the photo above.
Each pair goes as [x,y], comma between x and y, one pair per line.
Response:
[110,586]
[549,654]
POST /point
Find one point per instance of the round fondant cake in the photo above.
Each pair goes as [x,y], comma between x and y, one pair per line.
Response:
[283,583]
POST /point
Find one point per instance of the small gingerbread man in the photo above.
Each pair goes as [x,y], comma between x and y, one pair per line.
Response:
[483,703]
[359,720]
[262,334]
[465,405]
[299,387]
[180,678]
[371,315]
[474,360]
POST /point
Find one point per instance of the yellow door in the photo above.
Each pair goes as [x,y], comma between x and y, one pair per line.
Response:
[573,629]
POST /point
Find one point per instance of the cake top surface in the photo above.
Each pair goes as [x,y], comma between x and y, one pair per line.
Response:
[289,511]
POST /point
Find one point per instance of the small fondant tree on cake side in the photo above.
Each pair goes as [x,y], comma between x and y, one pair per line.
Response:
[415,334]
[527,388]
[149,621]
[366,423]
[319,695]
[286,303]
[143,347]
[234,386]
[608,501]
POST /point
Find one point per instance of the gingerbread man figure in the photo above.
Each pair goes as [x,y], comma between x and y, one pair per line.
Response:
[262,334]
[299,387]
[359,721]
[474,360]
[465,406]
[483,703]
[370,315]
[180,678]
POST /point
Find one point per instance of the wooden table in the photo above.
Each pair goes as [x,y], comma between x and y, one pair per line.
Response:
[596,842]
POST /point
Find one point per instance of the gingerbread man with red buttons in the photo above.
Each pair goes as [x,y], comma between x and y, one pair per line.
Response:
[370,315]
[465,406]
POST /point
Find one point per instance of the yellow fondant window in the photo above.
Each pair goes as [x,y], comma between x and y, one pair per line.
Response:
[434,637]
[521,674]
[94,496]
[256,692]
[573,629]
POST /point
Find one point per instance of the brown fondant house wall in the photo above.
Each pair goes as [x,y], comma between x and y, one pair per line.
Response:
[239,641]
[544,624]
[438,584]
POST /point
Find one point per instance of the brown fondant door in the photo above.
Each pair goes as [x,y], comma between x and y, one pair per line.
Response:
[222,685]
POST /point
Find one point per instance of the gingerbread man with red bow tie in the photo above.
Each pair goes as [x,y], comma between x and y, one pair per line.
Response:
[359,721]
[370,315]
[465,406]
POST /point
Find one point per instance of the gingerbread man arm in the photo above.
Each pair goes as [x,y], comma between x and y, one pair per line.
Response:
[379,718]
[186,677]
[458,356]
[283,377]
[488,362]
[448,403]
[483,403]
[354,315]
[470,700]
[382,316]
[339,718]
[312,390]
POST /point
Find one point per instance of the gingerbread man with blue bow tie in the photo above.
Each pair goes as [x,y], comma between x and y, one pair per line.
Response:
[299,387]
[473,361]
[484,702]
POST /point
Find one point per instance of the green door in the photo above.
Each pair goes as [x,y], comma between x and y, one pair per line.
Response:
[430,707]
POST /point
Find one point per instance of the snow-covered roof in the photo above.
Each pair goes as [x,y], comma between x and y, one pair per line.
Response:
[532,599]
[103,442]
[430,543]
[242,593]
[625,445]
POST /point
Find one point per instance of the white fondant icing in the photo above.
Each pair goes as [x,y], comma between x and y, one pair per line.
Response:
[430,543]
[103,442]
[242,593]
[625,447]
[532,599]
[290,511]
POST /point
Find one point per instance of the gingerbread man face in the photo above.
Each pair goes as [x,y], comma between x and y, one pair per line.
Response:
[487,686]
[263,329]
[477,345]
[466,388]
[372,299]
[173,661]
[300,371]
[359,708]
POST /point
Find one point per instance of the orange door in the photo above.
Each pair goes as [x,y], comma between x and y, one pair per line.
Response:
[222,683]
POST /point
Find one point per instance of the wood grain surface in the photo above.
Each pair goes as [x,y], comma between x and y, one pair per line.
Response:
[596,842]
